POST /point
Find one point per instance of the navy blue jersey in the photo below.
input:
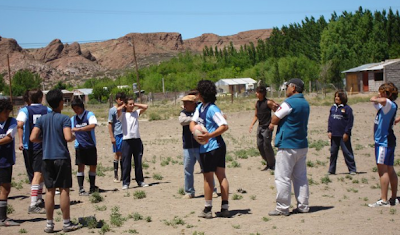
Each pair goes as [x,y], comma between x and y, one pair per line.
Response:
[7,151]
[34,113]
[84,139]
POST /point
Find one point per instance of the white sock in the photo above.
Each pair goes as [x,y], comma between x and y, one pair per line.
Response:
[34,194]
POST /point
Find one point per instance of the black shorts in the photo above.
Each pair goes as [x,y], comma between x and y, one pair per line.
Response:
[6,175]
[86,157]
[211,160]
[37,158]
[57,173]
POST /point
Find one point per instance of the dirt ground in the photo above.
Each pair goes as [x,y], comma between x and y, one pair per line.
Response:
[337,207]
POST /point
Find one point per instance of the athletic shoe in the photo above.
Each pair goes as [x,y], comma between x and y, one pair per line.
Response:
[265,168]
[8,222]
[215,194]
[71,227]
[379,203]
[40,203]
[353,173]
[125,187]
[205,215]
[36,210]
[223,214]
[143,184]
[393,201]
[58,192]
[277,213]
[49,229]
[94,189]
[188,196]
[116,180]
[298,211]
[82,192]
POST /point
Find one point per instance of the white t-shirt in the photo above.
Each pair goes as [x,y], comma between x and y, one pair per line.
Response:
[130,124]
[283,110]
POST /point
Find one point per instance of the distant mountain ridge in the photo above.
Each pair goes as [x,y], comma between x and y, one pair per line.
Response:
[74,62]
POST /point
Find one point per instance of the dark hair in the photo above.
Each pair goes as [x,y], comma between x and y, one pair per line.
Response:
[342,96]
[35,96]
[193,92]
[207,91]
[120,95]
[54,97]
[262,90]
[5,104]
[77,102]
[26,97]
[390,89]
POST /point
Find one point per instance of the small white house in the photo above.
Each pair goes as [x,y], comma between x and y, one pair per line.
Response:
[235,85]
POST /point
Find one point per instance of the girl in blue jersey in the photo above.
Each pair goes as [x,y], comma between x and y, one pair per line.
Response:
[212,154]
[340,123]
[385,142]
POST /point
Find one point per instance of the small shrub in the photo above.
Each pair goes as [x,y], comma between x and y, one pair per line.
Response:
[310,163]
[326,180]
[319,144]
[364,180]
[136,216]
[236,196]
[145,165]
[116,218]
[174,222]
[253,197]
[236,226]
[266,219]
[140,194]
[96,197]
[154,117]
[235,164]
[10,209]
[181,191]
[148,219]
[374,169]
[22,230]
[157,176]
[100,208]
[105,228]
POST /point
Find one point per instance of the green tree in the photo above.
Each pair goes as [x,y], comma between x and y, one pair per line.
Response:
[24,80]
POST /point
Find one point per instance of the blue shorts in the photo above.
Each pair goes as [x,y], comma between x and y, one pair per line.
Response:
[384,155]
[118,143]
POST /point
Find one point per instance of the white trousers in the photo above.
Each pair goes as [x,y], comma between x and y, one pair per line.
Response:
[291,167]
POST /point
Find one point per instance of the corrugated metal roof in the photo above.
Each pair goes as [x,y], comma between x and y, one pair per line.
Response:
[371,66]
[85,91]
[235,81]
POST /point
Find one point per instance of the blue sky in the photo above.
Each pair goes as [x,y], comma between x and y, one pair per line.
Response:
[35,23]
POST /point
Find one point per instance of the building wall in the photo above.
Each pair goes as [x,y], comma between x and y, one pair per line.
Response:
[372,84]
[352,83]
[392,73]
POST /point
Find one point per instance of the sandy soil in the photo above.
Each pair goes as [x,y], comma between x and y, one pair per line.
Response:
[339,207]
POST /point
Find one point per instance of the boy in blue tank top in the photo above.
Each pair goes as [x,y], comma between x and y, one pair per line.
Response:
[8,128]
[83,125]
[33,153]
[212,154]
[385,142]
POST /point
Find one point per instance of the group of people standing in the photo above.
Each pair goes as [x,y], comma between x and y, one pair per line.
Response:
[44,133]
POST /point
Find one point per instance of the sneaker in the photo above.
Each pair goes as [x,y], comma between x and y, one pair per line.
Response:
[205,215]
[125,187]
[188,196]
[82,192]
[277,213]
[8,222]
[143,184]
[71,227]
[265,168]
[215,194]
[94,189]
[353,173]
[116,180]
[298,211]
[49,229]
[394,201]
[36,210]
[40,203]
[379,203]
[58,192]
[223,214]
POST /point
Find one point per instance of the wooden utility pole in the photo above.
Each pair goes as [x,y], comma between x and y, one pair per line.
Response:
[9,76]
[132,42]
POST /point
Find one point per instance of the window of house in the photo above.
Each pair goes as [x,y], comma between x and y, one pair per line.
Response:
[379,76]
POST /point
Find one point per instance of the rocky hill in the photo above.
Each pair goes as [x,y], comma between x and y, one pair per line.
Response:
[73,62]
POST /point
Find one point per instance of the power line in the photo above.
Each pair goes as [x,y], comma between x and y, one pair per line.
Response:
[169,13]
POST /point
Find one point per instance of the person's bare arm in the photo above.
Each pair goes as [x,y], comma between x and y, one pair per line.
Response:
[7,139]
[35,135]
[110,131]
[141,107]
[84,128]
[378,100]
[273,105]
[254,119]
[274,121]
[397,120]
[20,129]
[68,136]
[219,131]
